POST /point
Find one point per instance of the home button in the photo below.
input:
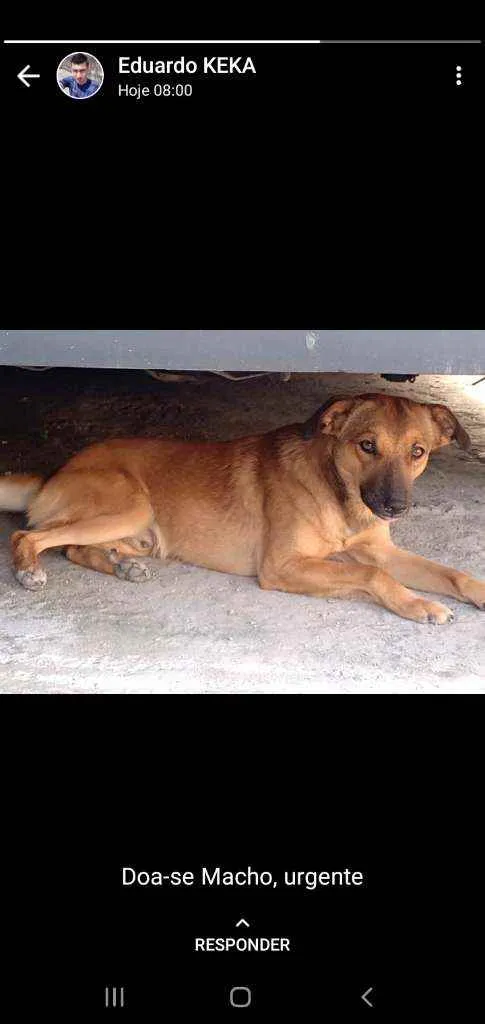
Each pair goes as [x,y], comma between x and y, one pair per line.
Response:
[240,996]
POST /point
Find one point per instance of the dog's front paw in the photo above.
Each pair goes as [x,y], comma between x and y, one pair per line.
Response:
[31,579]
[421,610]
[131,570]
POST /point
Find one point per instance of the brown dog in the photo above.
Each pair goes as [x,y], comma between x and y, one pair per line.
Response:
[288,506]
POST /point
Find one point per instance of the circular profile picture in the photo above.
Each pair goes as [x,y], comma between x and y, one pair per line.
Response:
[80,75]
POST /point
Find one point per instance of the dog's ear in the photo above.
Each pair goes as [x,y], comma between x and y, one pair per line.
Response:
[447,428]
[329,418]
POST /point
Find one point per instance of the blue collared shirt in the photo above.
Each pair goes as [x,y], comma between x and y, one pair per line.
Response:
[79,91]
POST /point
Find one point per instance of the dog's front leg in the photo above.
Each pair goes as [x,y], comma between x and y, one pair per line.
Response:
[303,575]
[420,573]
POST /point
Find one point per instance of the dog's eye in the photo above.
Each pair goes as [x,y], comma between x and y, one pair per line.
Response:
[368,446]
[417,452]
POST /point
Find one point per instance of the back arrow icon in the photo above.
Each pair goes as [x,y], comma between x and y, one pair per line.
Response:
[364,996]
[24,76]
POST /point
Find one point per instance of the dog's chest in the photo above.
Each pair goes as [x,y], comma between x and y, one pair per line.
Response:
[319,541]
[333,533]
[356,519]
[352,530]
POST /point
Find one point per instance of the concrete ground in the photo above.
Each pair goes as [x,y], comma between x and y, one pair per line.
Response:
[189,630]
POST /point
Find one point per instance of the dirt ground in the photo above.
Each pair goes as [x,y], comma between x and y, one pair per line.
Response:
[190,630]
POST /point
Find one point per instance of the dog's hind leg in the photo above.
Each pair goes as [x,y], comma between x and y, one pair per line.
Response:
[109,559]
[103,529]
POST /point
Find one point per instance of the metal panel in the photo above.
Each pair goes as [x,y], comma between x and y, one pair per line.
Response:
[308,351]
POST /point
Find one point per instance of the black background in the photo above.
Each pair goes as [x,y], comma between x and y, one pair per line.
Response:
[340,183]
[342,180]
[96,784]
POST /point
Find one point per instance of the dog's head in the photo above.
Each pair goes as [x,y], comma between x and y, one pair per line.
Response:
[381,443]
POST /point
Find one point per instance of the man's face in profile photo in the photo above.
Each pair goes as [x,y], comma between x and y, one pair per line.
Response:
[80,72]
[80,82]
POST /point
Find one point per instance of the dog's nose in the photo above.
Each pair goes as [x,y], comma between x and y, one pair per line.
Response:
[395,509]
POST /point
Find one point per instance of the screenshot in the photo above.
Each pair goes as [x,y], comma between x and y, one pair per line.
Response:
[194,823]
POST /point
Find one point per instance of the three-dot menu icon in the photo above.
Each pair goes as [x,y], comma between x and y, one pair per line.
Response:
[458,78]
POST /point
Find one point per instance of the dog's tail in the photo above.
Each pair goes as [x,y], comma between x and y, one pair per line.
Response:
[17,490]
